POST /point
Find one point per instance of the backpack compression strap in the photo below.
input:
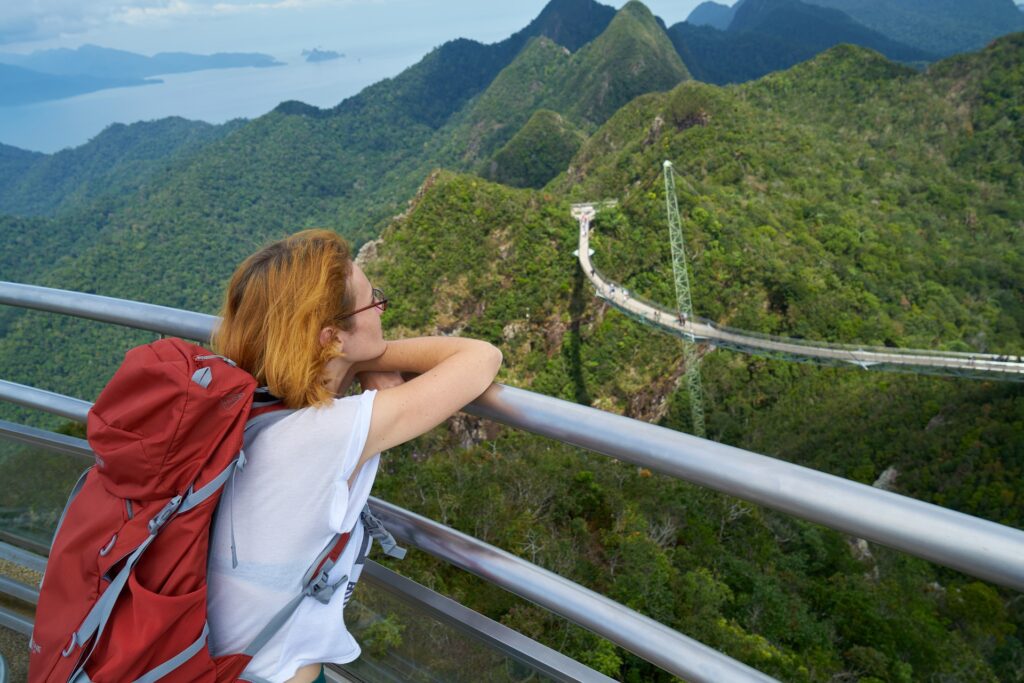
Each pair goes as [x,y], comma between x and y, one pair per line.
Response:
[95,622]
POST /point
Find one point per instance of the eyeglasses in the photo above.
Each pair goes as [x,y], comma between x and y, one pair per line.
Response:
[379,301]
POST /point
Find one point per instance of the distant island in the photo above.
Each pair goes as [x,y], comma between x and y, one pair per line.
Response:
[62,72]
[318,55]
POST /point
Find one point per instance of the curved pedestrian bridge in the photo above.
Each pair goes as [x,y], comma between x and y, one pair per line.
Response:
[976,365]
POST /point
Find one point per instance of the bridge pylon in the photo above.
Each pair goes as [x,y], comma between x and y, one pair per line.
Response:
[684,303]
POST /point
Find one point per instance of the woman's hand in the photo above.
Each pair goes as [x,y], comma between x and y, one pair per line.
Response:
[379,380]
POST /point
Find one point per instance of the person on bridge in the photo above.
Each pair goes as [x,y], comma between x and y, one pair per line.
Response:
[304,319]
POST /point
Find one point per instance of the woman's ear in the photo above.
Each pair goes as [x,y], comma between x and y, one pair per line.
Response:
[329,336]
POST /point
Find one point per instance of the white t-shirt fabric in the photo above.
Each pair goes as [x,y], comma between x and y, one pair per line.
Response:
[288,501]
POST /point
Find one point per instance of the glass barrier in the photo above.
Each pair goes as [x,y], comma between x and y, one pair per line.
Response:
[14,648]
[36,484]
[402,642]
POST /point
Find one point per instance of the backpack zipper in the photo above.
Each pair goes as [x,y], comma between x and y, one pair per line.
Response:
[226,360]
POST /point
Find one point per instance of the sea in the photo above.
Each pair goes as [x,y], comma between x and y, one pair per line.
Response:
[214,96]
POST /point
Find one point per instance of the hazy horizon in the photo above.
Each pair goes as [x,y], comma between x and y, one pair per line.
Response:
[277,27]
[375,45]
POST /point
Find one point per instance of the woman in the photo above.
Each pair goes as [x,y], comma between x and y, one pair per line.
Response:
[304,319]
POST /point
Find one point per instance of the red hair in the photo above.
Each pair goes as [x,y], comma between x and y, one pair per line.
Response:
[276,303]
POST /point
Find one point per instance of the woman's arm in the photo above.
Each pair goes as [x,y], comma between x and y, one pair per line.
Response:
[418,354]
[452,372]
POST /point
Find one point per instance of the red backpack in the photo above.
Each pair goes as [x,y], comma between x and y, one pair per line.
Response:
[124,593]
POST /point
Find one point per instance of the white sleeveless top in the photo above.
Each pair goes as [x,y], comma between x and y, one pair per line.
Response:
[289,500]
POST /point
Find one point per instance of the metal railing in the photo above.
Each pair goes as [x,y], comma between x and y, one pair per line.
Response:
[645,637]
[922,361]
[625,627]
[974,546]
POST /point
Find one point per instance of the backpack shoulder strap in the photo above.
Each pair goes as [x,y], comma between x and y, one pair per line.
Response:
[315,584]
[376,528]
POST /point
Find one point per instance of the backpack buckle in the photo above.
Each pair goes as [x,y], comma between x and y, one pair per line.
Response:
[165,514]
[323,591]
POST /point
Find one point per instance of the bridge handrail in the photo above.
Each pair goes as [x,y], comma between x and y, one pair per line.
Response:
[813,343]
[978,547]
[650,639]
[936,361]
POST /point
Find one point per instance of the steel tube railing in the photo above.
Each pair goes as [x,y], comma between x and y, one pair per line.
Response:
[18,590]
[47,401]
[641,635]
[15,622]
[974,546]
[137,314]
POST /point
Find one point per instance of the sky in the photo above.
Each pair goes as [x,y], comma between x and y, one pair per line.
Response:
[276,27]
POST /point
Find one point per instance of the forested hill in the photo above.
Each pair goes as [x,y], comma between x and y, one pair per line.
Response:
[848,199]
[114,165]
[843,199]
[631,57]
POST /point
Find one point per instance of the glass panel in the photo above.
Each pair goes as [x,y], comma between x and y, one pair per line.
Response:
[36,485]
[403,643]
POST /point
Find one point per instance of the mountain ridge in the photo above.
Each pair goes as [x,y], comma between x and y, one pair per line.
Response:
[631,56]
[771,35]
[942,27]
[713,14]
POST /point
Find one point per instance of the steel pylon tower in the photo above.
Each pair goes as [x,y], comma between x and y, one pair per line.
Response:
[684,304]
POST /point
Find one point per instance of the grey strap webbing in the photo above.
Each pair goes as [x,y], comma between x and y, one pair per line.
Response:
[376,528]
[96,620]
[313,586]
[253,427]
[194,498]
[177,660]
[257,424]
[74,492]
[273,626]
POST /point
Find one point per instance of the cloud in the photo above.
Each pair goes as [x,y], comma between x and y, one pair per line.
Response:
[42,19]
